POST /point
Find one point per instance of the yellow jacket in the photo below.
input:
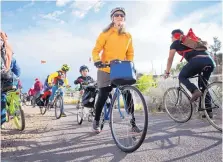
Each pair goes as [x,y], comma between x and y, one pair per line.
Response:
[54,77]
[114,46]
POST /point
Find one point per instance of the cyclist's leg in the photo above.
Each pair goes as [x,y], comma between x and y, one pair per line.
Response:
[206,76]
[192,68]
[102,97]
[3,108]
[130,108]
[54,88]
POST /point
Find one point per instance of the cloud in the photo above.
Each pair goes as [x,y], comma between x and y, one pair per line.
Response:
[53,16]
[81,8]
[26,6]
[61,3]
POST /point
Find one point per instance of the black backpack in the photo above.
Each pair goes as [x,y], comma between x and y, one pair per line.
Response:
[88,98]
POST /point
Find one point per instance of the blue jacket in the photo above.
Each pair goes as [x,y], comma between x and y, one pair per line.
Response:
[15,67]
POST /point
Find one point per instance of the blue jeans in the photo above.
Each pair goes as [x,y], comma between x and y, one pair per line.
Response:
[194,67]
[54,88]
[3,108]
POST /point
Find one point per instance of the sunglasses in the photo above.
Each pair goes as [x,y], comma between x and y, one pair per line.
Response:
[117,15]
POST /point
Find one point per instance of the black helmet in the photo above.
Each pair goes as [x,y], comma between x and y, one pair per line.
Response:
[177,31]
[83,67]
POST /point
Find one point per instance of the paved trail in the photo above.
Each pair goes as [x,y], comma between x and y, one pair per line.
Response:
[63,140]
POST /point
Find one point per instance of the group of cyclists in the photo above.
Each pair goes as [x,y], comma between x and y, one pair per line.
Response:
[117,44]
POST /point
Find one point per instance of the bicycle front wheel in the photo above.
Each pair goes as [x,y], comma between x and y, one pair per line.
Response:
[80,114]
[212,104]
[128,119]
[58,107]
[19,118]
[177,104]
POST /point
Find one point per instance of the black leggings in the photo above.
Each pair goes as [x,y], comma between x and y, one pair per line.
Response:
[103,96]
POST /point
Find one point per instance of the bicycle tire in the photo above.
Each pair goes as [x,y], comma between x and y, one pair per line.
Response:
[81,118]
[43,110]
[144,132]
[205,110]
[22,127]
[168,112]
[60,110]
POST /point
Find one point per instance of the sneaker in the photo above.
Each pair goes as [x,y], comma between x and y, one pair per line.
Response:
[63,115]
[136,129]
[196,95]
[2,127]
[96,126]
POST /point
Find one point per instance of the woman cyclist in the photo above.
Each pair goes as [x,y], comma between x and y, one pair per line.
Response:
[197,61]
[116,43]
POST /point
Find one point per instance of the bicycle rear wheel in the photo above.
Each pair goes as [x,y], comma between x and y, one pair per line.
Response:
[212,101]
[58,107]
[19,118]
[177,105]
[80,114]
[131,111]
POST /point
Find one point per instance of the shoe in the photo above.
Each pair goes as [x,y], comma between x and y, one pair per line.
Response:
[136,129]
[63,115]
[134,126]
[196,94]
[96,126]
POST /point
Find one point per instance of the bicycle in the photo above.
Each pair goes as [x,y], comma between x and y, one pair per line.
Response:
[81,114]
[122,109]
[13,107]
[57,103]
[182,96]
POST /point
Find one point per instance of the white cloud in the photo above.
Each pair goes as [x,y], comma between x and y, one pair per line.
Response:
[53,16]
[81,8]
[61,3]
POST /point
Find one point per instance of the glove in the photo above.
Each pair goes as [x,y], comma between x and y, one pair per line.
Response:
[98,64]
[80,80]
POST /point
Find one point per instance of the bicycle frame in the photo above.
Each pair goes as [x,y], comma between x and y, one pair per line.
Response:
[108,109]
[181,88]
[12,97]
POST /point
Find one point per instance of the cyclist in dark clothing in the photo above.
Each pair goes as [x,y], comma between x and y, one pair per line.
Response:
[84,78]
[197,61]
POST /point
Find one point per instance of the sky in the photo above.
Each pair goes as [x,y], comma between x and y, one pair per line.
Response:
[65,31]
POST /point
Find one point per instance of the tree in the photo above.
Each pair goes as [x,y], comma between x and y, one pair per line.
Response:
[145,82]
[216,54]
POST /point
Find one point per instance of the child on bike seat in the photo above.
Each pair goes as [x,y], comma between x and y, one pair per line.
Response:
[84,78]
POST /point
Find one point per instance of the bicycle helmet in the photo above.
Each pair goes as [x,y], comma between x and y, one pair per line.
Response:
[177,31]
[117,9]
[83,67]
[65,67]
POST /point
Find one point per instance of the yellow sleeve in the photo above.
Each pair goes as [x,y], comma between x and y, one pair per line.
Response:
[66,81]
[52,76]
[130,51]
[98,47]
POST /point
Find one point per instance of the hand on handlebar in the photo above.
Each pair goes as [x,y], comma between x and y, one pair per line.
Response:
[166,75]
[98,64]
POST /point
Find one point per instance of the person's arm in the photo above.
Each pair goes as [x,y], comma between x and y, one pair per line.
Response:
[98,47]
[51,76]
[170,60]
[15,67]
[130,50]
[66,82]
